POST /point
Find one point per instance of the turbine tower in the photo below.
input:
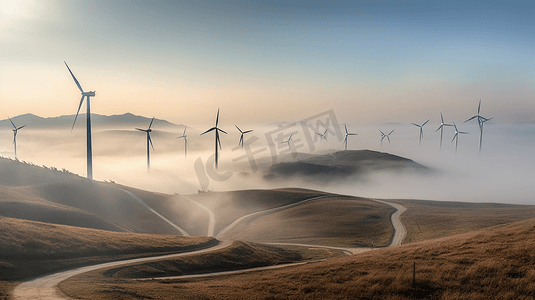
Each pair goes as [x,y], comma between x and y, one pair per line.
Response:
[347,134]
[456,136]
[383,136]
[217,140]
[241,137]
[148,131]
[421,131]
[185,137]
[15,131]
[88,123]
[441,128]
[480,121]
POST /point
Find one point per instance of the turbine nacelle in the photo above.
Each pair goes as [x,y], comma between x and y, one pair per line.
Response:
[88,94]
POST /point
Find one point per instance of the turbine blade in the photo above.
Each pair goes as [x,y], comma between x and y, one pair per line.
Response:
[150,140]
[75,80]
[439,127]
[381,132]
[221,130]
[21,127]
[151,122]
[479,107]
[415,124]
[79,106]
[454,136]
[388,137]
[352,134]
[184,134]
[217,118]
[247,131]
[391,131]
[424,123]
[213,128]
[345,126]
[219,142]
[441,118]
[470,119]
[141,129]
[12,123]
[238,128]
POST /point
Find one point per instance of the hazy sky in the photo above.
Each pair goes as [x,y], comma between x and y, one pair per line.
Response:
[370,61]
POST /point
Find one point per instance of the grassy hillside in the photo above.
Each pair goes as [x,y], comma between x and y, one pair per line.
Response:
[229,206]
[333,221]
[434,219]
[30,248]
[493,263]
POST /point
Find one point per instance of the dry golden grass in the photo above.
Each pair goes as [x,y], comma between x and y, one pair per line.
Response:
[333,221]
[494,263]
[229,206]
[434,219]
[238,256]
[29,248]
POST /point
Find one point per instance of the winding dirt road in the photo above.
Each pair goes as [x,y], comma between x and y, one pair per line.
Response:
[46,287]
[211,215]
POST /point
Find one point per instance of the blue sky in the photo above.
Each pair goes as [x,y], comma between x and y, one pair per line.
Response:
[372,61]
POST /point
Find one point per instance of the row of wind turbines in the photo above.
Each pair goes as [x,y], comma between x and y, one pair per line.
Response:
[480,119]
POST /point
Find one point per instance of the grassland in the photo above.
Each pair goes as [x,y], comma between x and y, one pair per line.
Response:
[230,206]
[332,221]
[33,248]
[497,263]
[435,219]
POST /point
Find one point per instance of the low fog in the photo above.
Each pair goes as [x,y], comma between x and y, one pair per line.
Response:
[502,172]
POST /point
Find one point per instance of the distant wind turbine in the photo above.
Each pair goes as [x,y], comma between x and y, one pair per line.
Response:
[185,137]
[148,131]
[288,141]
[217,140]
[456,136]
[15,131]
[88,124]
[347,134]
[383,136]
[441,128]
[421,131]
[480,121]
[322,136]
[241,136]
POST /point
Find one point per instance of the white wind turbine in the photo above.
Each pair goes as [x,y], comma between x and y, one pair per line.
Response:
[480,121]
[15,131]
[185,137]
[421,131]
[88,123]
[347,134]
[383,136]
[441,128]
[148,131]
[242,134]
[217,140]
[456,135]
[288,141]
[324,135]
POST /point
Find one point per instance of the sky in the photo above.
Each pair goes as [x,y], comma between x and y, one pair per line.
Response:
[268,61]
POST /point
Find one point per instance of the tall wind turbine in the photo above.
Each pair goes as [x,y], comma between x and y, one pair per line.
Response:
[347,134]
[383,136]
[441,128]
[456,136]
[242,133]
[421,131]
[185,137]
[217,140]
[480,121]
[88,124]
[148,131]
[15,131]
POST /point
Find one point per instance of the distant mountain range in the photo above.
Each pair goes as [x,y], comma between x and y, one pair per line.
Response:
[127,119]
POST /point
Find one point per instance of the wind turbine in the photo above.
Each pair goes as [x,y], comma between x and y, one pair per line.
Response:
[456,136]
[242,133]
[288,141]
[480,121]
[88,124]
[347,134]
[185,137]
[148,131]
[441,128]
[383,136]
[421,131]
[217,140]
[15,131]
